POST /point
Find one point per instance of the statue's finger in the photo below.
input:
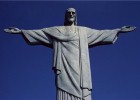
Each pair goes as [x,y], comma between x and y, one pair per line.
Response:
[7,30]
[134,27]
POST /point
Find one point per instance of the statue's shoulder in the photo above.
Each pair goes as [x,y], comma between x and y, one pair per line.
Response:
[83,28]
[53,28]
[62,28]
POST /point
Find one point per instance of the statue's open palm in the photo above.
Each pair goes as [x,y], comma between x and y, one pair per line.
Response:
[12,30]
[125,29]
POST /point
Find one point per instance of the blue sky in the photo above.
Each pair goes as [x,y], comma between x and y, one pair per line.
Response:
[25,71]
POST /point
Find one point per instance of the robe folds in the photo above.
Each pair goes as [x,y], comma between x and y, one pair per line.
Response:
[71,56]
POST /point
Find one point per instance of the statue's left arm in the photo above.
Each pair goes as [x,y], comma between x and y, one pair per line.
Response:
[104,37]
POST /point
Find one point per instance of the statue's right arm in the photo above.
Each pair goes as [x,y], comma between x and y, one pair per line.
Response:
[13,30]
[35,37]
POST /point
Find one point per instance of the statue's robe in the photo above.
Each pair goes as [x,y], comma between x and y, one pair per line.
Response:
[71,56]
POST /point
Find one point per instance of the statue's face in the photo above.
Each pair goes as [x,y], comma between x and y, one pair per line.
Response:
[71,15]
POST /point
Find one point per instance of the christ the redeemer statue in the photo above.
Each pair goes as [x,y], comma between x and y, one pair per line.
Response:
[70,45]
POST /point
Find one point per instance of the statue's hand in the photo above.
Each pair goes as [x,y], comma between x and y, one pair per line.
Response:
[127,29]
[12,30]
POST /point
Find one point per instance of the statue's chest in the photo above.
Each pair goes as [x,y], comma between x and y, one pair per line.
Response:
[70,31]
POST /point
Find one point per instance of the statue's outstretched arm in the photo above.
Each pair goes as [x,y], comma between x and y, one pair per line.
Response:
[126,29]
[13,30]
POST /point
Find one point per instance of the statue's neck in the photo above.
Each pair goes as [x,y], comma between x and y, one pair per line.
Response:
[70,24]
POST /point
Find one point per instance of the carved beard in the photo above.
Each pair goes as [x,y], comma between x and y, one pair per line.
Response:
[71,20]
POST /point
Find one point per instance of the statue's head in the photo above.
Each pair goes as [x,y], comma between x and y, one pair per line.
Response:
[70,16]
